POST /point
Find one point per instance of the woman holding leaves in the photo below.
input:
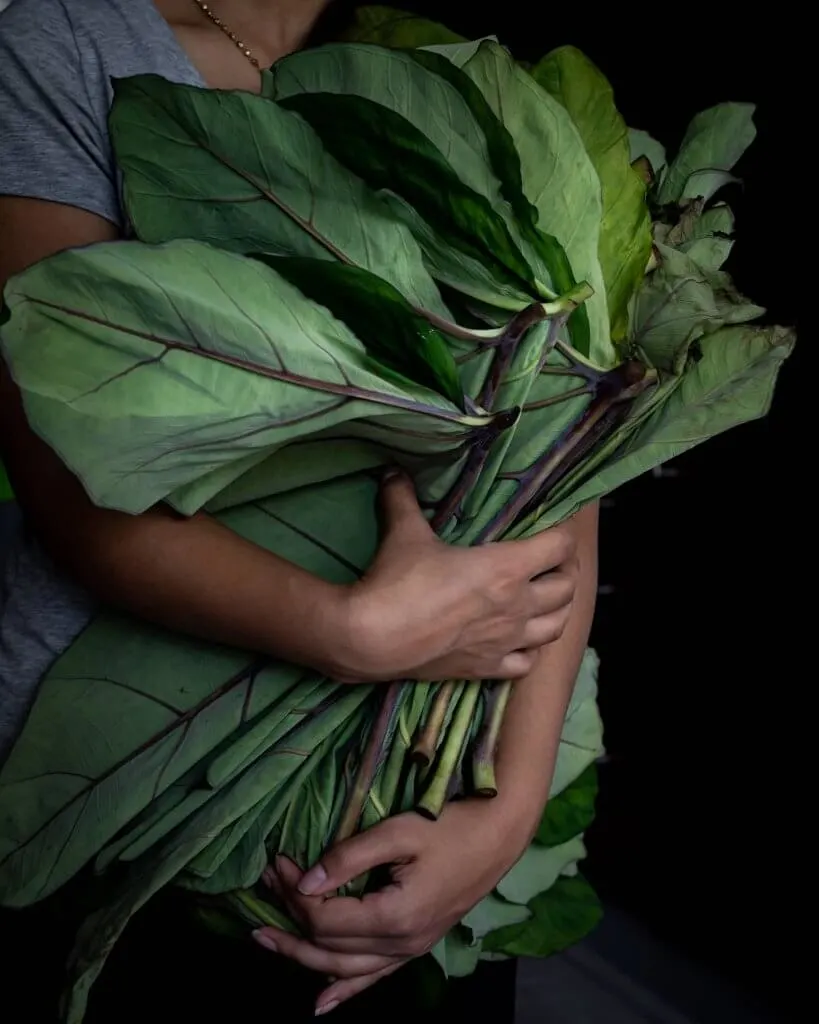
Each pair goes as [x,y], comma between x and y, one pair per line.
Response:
[424,610]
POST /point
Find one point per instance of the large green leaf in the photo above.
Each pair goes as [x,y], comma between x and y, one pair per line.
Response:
[625,232]
[560,917]
[491,913]
[505,162]
[571,812]
[147,876]
[538,870]
[64,794]
[234,378]
[456,954]
[380,316]
[558,175]
[477,147]
[240,172]
[713,143]
[731,383]
[679,303]
[421,142]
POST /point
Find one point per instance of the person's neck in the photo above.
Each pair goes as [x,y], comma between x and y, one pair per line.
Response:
[275,26]
[281,25]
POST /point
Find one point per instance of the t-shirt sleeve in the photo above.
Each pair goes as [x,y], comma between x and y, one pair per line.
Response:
[53,136]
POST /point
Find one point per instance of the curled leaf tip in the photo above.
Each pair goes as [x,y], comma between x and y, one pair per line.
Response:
[644,170]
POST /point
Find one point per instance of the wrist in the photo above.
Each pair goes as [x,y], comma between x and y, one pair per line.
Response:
[511,824]
[347,650]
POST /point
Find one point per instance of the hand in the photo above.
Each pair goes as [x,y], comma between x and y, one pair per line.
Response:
[433,611]
[439,871]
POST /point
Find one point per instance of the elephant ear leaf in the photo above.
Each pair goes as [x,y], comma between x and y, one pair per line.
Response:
[398,338]
[625,229]
[389,153]
[713,143]
[560,917]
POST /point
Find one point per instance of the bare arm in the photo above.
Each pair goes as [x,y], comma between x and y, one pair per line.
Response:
[536,711]
[424,609]
[193,575]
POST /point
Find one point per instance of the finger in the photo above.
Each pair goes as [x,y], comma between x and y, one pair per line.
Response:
[384,843]
[399,504]
[544,551]
[342,990]
[545,629]
[551,592]
[380,922]
[348,926]
[282,877]
[516,665]
[340,965]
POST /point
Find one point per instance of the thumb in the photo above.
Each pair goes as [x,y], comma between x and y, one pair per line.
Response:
[399,505]
[382,844]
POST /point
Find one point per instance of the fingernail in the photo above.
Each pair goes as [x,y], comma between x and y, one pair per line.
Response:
[313,880]
[326,1007]
[264,940]
[390,473]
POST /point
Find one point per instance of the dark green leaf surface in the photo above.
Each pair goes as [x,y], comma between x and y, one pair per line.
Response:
[389,153]
[562,916]
[571,812]
[381,318]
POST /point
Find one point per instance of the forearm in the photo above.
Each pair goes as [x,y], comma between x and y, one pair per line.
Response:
[194,575]
[537,708]
[198,577]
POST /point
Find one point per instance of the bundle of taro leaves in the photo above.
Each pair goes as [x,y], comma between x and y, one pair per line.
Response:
[429,257]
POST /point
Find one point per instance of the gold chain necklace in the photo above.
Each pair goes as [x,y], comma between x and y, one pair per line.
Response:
[217,21]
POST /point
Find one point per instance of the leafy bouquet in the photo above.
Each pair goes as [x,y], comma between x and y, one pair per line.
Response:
[426,256]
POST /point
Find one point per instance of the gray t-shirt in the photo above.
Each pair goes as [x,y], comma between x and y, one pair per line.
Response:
[57,58]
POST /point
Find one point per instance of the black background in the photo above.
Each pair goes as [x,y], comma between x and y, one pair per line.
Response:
[702,625]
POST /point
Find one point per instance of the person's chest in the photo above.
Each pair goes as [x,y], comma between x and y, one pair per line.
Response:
[221,64]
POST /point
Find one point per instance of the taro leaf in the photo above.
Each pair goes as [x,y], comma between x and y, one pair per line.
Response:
[388,26]
[641,144]
[708,253]
[731,383]
[679,303]
[456,955]
[380,316]
[183,378]
[505,162]
[557,173]
[581,740]
[571,812]
[416,95]
[561,917]
[625,232]
[389,153]
[538,869]
[718,219]
[491,913]
[713,143]
[147,876]
[242,173]
[139,719]
[704,184]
